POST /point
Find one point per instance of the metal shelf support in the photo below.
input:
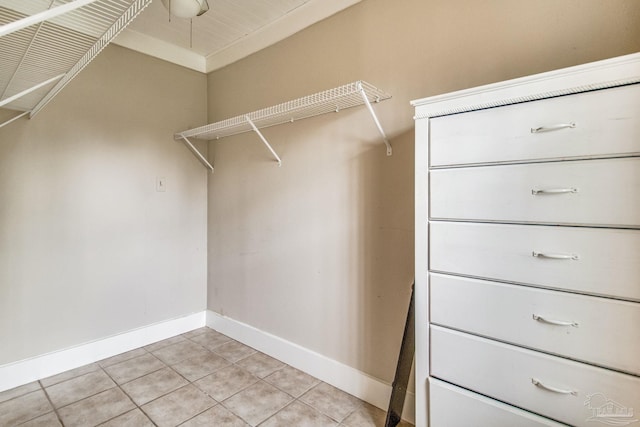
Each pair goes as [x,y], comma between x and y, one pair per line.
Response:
[29,90]
[197,153]
[256,130]
[375,118]
[12,119]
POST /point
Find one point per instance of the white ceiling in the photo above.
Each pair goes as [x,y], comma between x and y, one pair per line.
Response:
[229,31]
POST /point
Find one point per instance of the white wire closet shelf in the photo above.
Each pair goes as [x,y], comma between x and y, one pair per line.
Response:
[329,101]
[46,43]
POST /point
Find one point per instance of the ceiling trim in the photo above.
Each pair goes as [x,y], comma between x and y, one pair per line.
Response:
[289,24]
[160,49]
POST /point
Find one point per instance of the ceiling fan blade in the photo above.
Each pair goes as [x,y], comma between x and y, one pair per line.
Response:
[204,7]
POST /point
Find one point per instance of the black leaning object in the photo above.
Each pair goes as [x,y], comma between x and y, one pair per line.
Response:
[403,370]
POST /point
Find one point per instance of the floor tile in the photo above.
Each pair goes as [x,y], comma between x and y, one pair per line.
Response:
[197,367]
[135,418]
[196,332]
[134,368]
[118,358]
[24,408]
[234,351]
[226,382]
[78,388]
[151,386]
[330,401]
[67,375]
[366,416]
[178,406]
[299,414]
[178,352]
[96,409]
[210,339]
[292,381]
[47,420]
[260,365]
[165,343]
[258,402]
[19,391]
[218,416]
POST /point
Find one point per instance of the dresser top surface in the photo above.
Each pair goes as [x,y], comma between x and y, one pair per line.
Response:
[603,74]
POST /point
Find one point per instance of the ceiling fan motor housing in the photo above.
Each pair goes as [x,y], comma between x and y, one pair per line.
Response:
[186,8]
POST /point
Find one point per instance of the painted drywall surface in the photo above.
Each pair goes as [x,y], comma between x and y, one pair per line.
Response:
[320,251]
[88,247]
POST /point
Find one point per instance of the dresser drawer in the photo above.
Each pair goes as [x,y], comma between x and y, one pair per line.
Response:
[592,192]
[606,260]
[597,330]
[561,389]
[452,406]
[606,122]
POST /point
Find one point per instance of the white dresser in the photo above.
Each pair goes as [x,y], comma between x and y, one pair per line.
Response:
[528,251]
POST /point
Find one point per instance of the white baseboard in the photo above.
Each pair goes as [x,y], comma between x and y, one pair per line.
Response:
[352,381]
[28,370]
[339,375]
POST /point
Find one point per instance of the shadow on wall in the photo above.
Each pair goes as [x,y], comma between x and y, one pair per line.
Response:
[385,252]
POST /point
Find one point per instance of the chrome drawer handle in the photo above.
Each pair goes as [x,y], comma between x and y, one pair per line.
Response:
[555,322]
[553,191]
[554,256]
[537,383]
[553,127]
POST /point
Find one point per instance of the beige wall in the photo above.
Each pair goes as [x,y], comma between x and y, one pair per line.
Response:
[88,248]
[320,251]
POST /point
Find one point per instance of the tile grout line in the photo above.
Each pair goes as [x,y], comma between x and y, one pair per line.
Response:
[126,394]
[55,410]
[221,403]
[173,370]
[189,382]
[262,380]
[202,412]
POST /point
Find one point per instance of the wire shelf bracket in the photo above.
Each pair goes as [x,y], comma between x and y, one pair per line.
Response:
[329,101]
[256,130]
[29,90]
[45,47]
[197,153]
[14,118]
[375,118]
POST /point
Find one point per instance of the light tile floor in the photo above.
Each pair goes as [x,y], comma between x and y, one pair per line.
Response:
[201,378]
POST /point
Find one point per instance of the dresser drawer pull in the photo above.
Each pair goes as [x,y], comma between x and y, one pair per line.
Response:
[554,256]
[555,322]
[537,383]
[553,191]
[553,127]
